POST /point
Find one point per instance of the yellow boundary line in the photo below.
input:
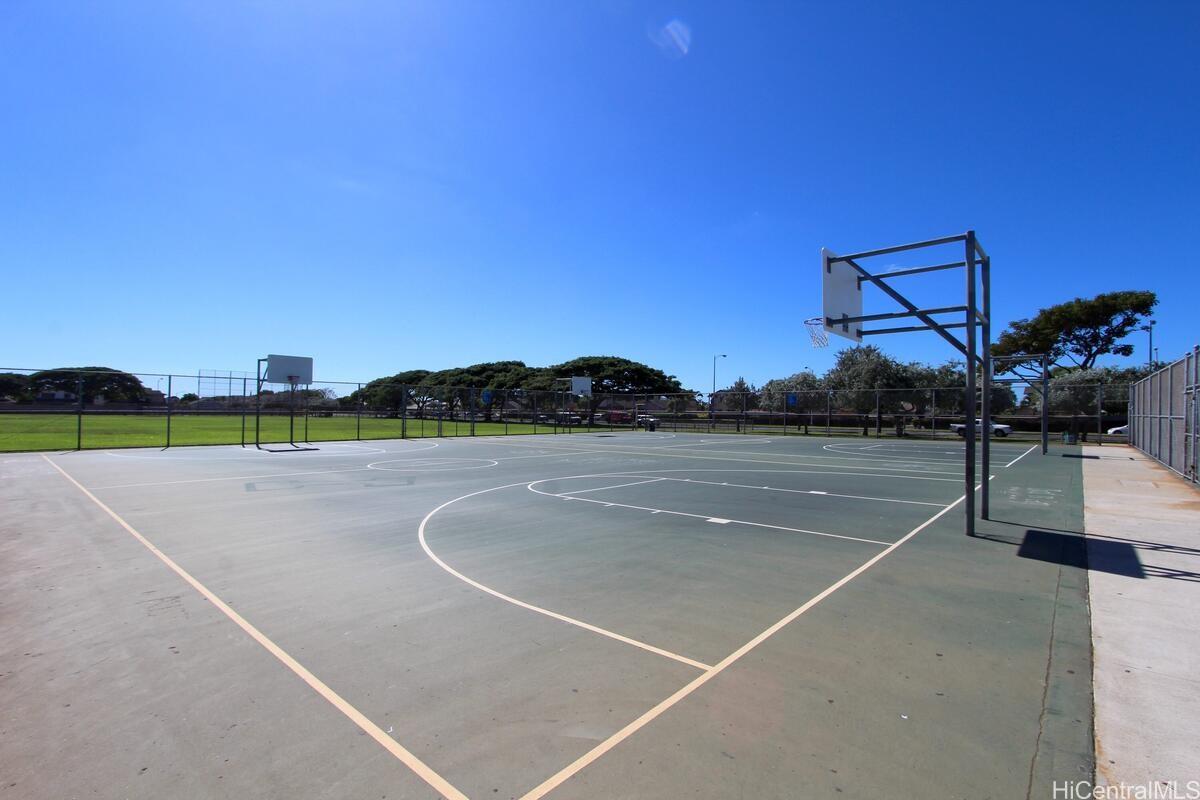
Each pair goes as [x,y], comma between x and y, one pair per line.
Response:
[419,767]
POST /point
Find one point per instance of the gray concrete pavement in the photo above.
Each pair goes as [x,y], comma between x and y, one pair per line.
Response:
[1143,526]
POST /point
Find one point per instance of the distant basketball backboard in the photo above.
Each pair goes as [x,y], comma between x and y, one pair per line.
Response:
[581,386]
[289,369]
[841,296]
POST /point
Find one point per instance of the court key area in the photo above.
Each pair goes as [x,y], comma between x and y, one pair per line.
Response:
[605,615]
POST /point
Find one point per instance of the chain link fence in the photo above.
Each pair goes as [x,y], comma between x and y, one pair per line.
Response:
[86,409]
[1164,415]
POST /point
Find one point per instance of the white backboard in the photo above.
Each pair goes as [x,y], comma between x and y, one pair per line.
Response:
[841,295]
[581,386]
[289,369]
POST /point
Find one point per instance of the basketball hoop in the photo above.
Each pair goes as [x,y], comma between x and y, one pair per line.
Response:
[816,331]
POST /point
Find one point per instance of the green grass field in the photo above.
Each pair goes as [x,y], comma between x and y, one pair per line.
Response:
[22,432]
[57,431]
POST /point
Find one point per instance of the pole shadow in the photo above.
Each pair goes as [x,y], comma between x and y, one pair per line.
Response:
[1073,549]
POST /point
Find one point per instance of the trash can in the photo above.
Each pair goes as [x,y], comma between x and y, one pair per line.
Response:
[650,424]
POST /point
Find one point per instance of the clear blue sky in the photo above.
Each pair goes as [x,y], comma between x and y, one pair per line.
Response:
[389,185]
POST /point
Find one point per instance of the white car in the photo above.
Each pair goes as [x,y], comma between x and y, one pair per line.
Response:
[998,430]
[1120,430]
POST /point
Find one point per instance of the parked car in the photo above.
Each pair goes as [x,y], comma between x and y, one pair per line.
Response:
[998,430]
[1120,430]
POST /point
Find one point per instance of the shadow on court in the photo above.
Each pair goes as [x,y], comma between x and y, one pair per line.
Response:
[1072,549]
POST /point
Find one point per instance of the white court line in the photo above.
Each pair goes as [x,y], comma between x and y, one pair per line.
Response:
[419,767]
[251,452]
[892,455]
[697,516]
[900,459]
[717,441]
[793,491]
[599,750]
[697,457]
[559,453]
[747,486]
[529,606]
[618,486]
[836,458]
[227,478]
[1018,458]
[309,472]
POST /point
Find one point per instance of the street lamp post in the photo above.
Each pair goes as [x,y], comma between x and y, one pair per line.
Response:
[1150,357]
[722,355]
[712,398]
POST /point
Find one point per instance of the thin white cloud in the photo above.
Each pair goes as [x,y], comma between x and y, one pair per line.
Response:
[674,39]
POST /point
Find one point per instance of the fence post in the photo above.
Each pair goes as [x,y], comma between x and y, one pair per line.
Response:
[243,412]
[169,410]
[1100,415]
[1045,405]
[1170,416]
[404,412]
[79,412]
[878,417]
[471,395]
[828,410]
[743,412]
[358,401]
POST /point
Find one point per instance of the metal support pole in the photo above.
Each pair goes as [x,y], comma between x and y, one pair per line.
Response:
[258,403]
[79,412]
[1131,419]
[292,414]
[828,410]
[243,412]
[169,410]
[403,411]
[985,280]
[969,476]
[1045,404]
[471,395]
[1100,415]
[878,416]
[358,401]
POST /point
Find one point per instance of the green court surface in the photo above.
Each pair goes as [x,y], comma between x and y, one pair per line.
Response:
[604,615]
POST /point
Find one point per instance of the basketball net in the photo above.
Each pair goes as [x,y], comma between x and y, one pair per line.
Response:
[816,331]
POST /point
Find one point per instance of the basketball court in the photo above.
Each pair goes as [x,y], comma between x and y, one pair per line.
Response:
[606,615]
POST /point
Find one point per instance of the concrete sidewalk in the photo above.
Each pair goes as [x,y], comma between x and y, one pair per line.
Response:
[1143,528]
